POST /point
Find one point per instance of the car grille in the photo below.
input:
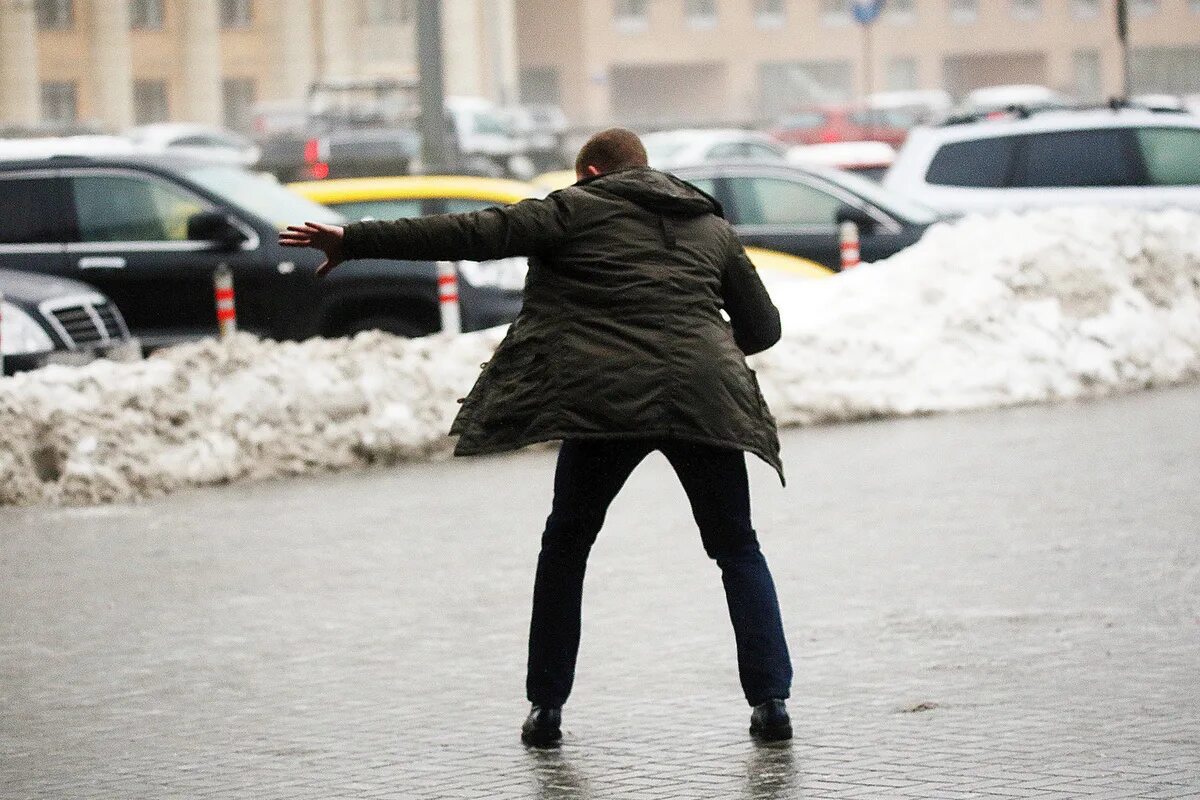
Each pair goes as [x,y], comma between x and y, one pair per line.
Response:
[86,321]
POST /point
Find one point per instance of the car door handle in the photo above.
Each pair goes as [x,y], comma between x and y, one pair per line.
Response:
[101,262]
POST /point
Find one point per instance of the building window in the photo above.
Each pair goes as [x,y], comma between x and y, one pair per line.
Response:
[902,74]
[540,86]
[700,13]
[1027,9]
[237,99]
[769,13]
[236,14]
[146,15]
[789,86]
[964,11]
[1085,9]
[902,11]
[55,15]
[1166,70]
[60,102]
[1145,8]
[1086,67]
[630,15]
[388,12]
[150,102]
[835,12]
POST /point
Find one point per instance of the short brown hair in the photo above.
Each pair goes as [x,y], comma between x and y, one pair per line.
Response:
[610,150]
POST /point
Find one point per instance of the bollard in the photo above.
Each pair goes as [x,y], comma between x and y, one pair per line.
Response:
[447,280]
[1,334]
[226,311]
[850,250]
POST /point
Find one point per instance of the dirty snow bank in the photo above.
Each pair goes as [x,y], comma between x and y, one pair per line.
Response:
[211,413]
[985,312]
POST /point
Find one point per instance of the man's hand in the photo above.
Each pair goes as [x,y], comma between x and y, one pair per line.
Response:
[326,238]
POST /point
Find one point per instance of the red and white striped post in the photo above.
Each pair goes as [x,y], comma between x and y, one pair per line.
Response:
[226,310]
[850,250]
[447,281]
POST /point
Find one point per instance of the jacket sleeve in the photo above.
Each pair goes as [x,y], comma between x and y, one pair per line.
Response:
[754,318]
[522,229]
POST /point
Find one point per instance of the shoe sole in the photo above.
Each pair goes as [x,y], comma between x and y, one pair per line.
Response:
[773,734]
[546,739]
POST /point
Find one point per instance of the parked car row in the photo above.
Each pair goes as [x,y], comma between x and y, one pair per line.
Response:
[148,233]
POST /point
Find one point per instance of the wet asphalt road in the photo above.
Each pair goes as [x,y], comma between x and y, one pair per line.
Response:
[981,605]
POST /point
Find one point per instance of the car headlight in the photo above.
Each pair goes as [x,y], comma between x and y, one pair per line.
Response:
[20,334]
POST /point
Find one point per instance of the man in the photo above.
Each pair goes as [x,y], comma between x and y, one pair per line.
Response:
[620,349]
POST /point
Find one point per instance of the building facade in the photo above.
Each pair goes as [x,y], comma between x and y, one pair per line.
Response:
[111,64]
[671,62]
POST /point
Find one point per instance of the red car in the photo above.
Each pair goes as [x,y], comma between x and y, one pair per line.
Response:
[826,124]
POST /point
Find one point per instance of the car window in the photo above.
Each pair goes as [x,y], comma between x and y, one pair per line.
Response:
[807,119]
[980,163]
[776,201]
[29,211]
[1076,158]
[126,208]
[379,209]
[760,152]
[261,196]
[1171,155]
[726,150]
[706,185]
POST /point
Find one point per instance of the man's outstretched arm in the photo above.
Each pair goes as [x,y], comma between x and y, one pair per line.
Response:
[522,229]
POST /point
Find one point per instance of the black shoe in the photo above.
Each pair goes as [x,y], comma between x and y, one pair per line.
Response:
[770,722]
[543,726]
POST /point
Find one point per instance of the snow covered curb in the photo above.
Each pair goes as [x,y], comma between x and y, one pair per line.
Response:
[984,312]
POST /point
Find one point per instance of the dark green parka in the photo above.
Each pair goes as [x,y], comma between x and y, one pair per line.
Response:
[621,334]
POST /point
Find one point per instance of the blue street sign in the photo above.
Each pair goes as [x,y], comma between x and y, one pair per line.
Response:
[866,11]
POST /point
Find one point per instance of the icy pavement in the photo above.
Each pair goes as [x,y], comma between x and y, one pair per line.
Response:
[983,312]
[985,605]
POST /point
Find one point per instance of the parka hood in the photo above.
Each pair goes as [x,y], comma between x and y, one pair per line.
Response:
[656,192]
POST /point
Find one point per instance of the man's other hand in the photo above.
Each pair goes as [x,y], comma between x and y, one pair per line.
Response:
[326,238]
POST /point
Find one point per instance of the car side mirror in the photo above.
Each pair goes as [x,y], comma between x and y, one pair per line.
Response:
[859,216]
[215,227]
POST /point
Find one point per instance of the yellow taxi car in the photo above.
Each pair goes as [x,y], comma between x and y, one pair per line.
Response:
[419,195]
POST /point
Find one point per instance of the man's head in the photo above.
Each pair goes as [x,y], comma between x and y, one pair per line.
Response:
[608,151]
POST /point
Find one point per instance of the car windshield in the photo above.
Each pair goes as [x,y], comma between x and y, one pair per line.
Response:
[262,196]
[904,207]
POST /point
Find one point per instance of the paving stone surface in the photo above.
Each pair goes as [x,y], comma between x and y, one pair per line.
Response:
[989,605]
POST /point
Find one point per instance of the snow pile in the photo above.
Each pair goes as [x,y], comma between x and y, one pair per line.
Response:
[211,413]
[994,311]
[984,312]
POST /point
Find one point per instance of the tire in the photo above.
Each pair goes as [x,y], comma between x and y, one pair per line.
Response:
[397,326]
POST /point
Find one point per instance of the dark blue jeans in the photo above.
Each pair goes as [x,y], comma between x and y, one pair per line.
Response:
[588,477]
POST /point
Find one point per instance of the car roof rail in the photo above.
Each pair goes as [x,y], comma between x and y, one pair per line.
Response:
[1020,111]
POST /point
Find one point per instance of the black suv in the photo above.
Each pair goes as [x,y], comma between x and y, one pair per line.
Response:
[149,232]
[55,321]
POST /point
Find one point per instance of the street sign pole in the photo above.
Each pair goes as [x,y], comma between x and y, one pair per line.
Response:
[1123,38]
[435,151]
[866,12]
